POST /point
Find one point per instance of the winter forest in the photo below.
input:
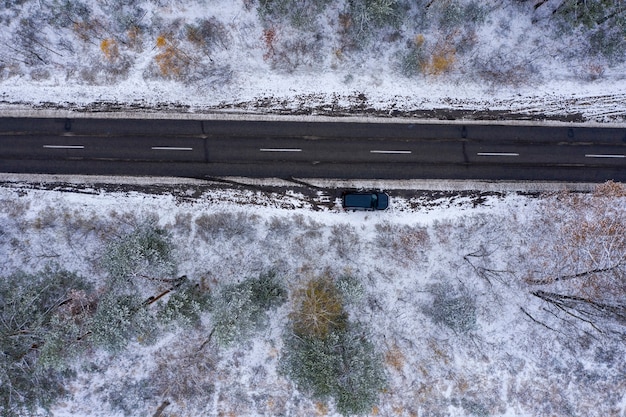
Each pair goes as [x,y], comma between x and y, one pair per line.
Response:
[201,299]
[554,58]
[255,302]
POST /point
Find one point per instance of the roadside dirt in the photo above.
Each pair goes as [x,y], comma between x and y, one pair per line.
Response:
[312,105]
[300,194]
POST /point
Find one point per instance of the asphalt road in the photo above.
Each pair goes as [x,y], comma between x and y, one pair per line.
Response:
[200,149]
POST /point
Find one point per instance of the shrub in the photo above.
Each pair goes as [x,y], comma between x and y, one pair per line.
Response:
[27,306]
[294,52]
[610,189]
[182,224]
[123,15]
[319,309]
[609,44]
[118,319]
[184,372]
[47,217]
[343,366]
[275,8]
[241,309]
[345,239]
[39,74]
[475,12]
[300,14]
[441,56]
[66,13]
[81,223]
[371,14]
[505,68]
[226,225]
[145,251]
[588,13]
[350,288]
[451,15]
[405,243]
[452,309]
[185,305]
[279,227]
[68,329]
[454,14]
[269,40]
[395,358]
[208,34]
[130,396]
[133,38]
[412,60]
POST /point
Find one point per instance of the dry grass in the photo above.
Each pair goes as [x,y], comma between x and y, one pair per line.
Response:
[404,243]
[15,208]
[610,189]
[321,409]
[395,358]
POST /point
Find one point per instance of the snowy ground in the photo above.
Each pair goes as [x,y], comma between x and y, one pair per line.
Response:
[482,299]
[428,59]
[447,281]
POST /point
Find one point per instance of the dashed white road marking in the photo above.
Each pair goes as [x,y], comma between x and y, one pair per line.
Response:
[497,154]
[591,155]
[170,148]
[280,150]
[390,152]
[64,146]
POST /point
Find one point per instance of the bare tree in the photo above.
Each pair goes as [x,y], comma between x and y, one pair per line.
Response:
[577,261]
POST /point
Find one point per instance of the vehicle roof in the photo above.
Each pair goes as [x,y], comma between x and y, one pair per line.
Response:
[358,199]
[364,199]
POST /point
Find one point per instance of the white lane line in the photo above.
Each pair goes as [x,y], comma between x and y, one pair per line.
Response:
[591,155]
[280,150]
[391,152]
[497,154]
[170,148]
[64,146]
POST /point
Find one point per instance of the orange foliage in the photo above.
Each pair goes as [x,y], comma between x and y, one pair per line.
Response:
[171,60]
[442,54]
[442,61]
[109,49]
[161,41]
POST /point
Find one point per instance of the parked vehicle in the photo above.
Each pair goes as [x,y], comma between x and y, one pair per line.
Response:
[364,200]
